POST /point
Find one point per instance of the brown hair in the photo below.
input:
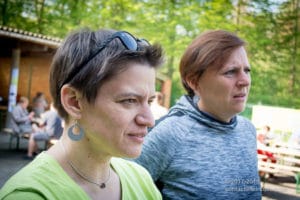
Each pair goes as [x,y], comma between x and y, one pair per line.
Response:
[89,77]
[210,49]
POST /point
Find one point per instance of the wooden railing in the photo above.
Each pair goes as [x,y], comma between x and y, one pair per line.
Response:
[287,162]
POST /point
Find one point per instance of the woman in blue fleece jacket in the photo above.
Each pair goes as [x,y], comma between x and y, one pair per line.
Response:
[203,149]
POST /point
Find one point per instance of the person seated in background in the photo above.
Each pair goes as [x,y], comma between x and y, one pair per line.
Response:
[266,136]
[20,119]
[50,128]
[156,107]
[262,136]
[262,143]
[39,104]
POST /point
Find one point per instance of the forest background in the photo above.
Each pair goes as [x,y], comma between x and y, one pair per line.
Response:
[270,27]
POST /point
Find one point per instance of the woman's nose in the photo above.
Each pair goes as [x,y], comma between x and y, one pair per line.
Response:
[145,117]
[244,79]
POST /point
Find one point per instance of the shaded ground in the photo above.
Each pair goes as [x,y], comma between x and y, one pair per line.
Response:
[281,188]
[11,160]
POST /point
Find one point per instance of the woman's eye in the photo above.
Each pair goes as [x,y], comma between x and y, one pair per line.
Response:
[128,101]
[150,101]
[248,71]
[230,72]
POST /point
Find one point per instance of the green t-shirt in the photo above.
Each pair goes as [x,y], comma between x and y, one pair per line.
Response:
[44,178]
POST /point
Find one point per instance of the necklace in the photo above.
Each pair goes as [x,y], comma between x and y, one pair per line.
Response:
[75,169]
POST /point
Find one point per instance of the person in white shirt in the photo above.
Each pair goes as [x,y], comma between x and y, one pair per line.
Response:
[156,107]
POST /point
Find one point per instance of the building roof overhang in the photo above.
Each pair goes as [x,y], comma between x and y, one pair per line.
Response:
[29,37]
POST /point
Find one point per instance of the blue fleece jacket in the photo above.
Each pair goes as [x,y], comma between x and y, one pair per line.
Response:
[194,156]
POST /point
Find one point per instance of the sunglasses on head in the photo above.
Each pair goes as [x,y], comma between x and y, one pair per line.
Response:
[128,40]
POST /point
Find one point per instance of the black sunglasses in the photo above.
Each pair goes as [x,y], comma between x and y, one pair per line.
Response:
[128,40]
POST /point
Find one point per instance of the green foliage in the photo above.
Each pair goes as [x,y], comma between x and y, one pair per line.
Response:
[247,112]
[271,29]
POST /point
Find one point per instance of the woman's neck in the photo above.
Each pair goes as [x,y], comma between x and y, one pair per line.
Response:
[85,158]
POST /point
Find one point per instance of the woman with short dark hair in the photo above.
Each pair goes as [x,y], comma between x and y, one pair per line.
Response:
[102,83]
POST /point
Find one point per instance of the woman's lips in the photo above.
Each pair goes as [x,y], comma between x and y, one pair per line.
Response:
[137,137]
[240,97]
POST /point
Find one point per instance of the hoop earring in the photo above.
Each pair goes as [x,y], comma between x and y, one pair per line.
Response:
[75,132]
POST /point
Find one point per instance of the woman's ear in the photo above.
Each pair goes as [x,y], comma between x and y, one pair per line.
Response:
[194,86]
[70,99]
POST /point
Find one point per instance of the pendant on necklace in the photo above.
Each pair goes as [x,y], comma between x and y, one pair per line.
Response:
[102,185]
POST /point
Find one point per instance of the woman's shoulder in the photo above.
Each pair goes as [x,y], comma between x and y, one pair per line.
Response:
[127,166]
[24,182]
[129,170]
[136,180]
[42,176]
[172,129]
[243,121]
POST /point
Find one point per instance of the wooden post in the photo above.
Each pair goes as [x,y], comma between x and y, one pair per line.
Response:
[14,78]
[166,90]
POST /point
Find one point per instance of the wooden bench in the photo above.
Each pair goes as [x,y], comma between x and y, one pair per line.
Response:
[19,136]
[287,163]
[15,136]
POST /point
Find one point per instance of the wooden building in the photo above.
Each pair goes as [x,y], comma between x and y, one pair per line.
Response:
[30,55]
